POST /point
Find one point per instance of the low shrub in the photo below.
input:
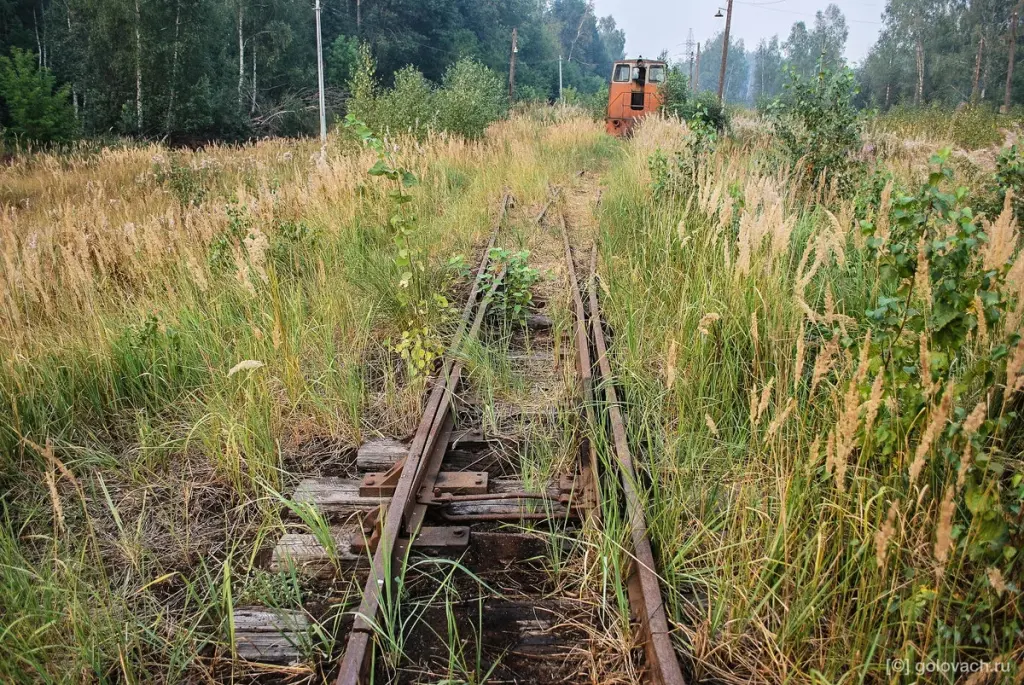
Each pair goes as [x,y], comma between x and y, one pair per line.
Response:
[702,108]
[187,183]
[1009,178]
[817,123]
[469,98]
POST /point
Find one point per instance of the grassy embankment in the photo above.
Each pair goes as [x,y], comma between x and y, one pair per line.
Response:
[797,548]
[140,474]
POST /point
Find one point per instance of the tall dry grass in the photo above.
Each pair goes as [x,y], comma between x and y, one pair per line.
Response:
[793,551]
[183,334]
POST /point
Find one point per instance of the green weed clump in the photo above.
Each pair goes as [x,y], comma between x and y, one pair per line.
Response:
[512,301]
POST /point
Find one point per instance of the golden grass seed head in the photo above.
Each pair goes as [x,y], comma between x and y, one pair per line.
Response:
[944,531]
[884,534]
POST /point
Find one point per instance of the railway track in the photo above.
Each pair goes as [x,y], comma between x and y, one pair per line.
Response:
[455,546]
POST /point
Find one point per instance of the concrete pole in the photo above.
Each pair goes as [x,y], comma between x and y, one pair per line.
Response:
[320,82]
[725,51]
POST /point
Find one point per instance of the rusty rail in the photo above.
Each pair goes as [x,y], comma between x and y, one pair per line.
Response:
[642,584]
[424,458]
[417,475]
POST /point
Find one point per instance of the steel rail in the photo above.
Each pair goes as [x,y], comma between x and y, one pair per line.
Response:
[643,584]
[428,446]
[585,371]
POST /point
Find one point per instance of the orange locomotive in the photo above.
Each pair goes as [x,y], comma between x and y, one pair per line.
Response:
[633,93]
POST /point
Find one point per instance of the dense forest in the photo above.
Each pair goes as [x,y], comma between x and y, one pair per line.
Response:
[942,52]
[204,68]
[200,69]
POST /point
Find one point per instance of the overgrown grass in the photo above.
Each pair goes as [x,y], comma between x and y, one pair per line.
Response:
[969,128]
[183,332]
[738,305]
[179,330]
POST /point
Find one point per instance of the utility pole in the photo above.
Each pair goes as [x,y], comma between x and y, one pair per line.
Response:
[696,69]
[689,54]
[560,78]
[359,18]
[1013,54]
[977,71]
[512,69]
[320,80]
[725,50]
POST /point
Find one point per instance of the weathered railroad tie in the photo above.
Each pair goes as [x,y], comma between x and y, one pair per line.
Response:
[457,493]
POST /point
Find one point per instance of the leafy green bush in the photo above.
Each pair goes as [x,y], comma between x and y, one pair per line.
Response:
[187,183]
[675,91]
[411,104]
[37,110]
[817,123]
[511,301]
[941,292]
[470,97]
[1009,177]
[702,109]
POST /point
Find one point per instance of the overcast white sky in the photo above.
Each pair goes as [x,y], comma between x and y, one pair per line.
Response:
[653,25]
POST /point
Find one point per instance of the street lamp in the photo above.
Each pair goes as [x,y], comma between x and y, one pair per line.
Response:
[725,47]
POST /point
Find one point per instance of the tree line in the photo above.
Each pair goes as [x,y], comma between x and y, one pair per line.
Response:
[198,69]
[942,52]
[757,75]
[201,69]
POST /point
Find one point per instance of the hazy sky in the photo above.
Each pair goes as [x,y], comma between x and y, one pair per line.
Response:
[653,25]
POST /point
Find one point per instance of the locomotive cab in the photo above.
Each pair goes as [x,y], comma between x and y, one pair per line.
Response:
[633,93]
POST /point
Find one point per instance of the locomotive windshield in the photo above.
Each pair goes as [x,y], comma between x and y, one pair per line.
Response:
[656,73]
[621,74]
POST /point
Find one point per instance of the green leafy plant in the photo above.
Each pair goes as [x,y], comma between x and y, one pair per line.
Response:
[669,175]
[226,243]
[817,123]
[470,98]
[699,110]
[187,183]
[937,296]
[1009,178]
[420,344]
[418,348]
[513,299]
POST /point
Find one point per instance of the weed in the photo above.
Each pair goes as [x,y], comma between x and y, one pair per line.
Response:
[513,299]
[186,183]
